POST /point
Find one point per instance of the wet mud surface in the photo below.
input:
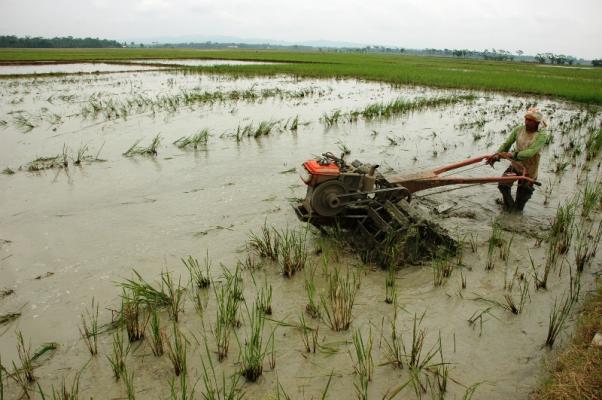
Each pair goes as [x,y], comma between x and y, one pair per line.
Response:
[70,234]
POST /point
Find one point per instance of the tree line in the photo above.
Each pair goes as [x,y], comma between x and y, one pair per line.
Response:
[56,42]
[557,59]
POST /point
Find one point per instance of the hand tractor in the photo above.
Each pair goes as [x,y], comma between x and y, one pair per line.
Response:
[374,212]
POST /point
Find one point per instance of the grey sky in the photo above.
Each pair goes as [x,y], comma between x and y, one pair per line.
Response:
[558,26]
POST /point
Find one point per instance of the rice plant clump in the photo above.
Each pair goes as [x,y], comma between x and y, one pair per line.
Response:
[593,143]
[128,382]
[132,315]
[63,392]
[592,193]
[442,269]
[118,355]
[552,257]
[176,350]
[23,122]
[267,243]
[309,335]
[264,299]
[558,316]
[145,293]
[312,307]
[394,345]
[402,106]
[292,251]
[416,358]
[228,298]
[24,354]
[494,241]
[563,226]
[332,119]
[253,351]
[156,336]
[419,361]
[242,132]
[217,387]
[150,150]
[363,363]
[511,305]
[194,141]
[43,163]
[181,393]
[89,328]
[586,245]
[264,129]
[174,293]
[339,300]
[199,277]
[390,286]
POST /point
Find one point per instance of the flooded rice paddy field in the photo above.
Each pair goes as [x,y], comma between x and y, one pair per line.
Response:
[56,68]
[72,234]
[113,66]
[198,63]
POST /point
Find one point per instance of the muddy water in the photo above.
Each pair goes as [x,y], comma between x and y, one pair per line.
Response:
[83,229]
[69,68]
[196,63]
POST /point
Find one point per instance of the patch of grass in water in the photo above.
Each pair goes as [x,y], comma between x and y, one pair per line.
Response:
[253,351]
[292,251]
[9,317]
[266,243]
[150,150]
[89,328]
[119,354]
[176,350]
[199,276]
[194,141]
[363,363]
[558,316]
[144,293]
[338,303]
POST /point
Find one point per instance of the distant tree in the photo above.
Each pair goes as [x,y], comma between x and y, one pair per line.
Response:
[597,62]
[540,58]
[56,42]
[520,52]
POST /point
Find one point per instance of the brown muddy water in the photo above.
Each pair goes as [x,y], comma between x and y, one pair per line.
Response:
[57,68]
[68,235]
[198,63]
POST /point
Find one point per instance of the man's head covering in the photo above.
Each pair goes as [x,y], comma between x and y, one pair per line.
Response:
[534,114]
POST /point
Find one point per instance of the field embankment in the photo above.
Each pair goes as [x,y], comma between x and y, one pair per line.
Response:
[575,373]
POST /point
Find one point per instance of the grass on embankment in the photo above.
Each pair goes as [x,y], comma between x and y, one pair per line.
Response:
[576,84]
[576,372]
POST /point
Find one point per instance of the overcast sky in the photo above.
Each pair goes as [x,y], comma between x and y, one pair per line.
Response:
[558,26]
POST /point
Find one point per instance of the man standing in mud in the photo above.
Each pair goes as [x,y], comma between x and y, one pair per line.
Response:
[528,140]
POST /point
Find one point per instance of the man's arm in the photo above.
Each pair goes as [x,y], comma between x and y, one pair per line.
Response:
[530,151]
[505,147]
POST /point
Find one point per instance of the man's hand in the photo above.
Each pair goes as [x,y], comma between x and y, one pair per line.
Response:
[493,159]
[505,155]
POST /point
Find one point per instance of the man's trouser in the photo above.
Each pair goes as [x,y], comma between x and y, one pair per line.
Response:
[524,191]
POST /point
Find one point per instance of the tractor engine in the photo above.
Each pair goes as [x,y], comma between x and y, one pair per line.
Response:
[374,213]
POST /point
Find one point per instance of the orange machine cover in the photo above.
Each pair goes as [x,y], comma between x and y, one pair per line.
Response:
[315,168]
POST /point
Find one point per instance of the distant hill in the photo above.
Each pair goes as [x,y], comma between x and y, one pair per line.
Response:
[56,42]
[190,39]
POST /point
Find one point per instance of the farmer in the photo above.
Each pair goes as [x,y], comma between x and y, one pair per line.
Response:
[528,140]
